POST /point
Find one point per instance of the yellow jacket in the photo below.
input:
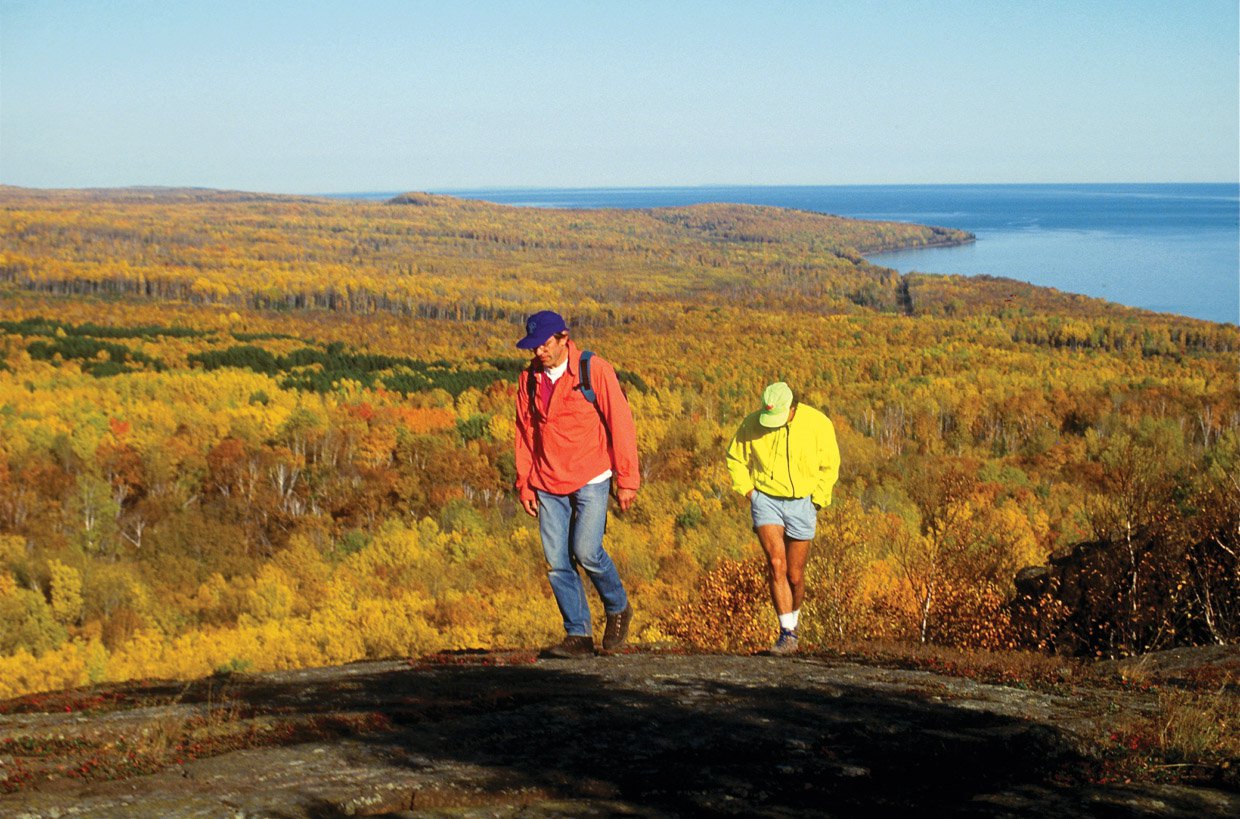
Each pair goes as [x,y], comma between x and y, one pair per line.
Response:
[798,459]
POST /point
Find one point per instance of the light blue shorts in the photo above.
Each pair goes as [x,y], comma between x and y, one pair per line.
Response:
[797,515]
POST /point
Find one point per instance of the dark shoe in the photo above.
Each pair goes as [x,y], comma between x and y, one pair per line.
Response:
[787,642]
[574,646]
[617,630]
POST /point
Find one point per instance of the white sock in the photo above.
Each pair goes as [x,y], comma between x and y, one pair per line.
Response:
[789,621]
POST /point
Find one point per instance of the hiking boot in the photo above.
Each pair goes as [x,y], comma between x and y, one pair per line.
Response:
[787,642]
[617,630]
[573,647]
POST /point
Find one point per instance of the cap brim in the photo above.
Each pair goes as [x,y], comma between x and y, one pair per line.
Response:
[532,342]
[773,420]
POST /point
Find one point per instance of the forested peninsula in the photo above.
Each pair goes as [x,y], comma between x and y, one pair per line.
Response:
[254,432]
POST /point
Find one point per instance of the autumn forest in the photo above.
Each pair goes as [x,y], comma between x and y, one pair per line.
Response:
[246,432]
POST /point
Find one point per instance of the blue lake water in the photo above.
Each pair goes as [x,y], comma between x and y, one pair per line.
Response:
[1172,248]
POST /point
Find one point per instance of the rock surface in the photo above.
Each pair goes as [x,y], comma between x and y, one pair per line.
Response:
[630,735]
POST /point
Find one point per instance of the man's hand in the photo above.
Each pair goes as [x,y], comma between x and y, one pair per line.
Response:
[530,506]
[625,498]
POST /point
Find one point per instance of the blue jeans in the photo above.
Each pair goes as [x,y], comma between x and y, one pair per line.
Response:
[572,529]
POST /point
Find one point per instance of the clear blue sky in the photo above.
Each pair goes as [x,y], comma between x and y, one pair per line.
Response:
[307,96]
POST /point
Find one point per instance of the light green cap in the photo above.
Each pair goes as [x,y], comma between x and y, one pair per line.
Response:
[776,403]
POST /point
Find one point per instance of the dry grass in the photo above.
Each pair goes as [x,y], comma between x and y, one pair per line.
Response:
[1198,728]
[1020,668]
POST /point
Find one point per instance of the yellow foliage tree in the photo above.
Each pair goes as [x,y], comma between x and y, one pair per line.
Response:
[66,583]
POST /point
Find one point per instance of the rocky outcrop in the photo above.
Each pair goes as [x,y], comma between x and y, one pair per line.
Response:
[1119,598]
[635,735]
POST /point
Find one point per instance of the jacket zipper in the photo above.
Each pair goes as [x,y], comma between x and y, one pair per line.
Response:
[788,457]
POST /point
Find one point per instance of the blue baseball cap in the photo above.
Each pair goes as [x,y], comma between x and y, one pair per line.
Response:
[540,327]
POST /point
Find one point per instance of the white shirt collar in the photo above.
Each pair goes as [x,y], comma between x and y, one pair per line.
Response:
[555,372]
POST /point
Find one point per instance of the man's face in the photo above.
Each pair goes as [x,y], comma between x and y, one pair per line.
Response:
[553,351]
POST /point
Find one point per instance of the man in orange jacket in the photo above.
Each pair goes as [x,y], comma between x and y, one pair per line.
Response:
[569,450]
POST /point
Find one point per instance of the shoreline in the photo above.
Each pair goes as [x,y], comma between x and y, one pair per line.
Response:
[943,243]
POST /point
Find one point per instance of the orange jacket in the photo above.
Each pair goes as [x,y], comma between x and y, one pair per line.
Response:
[560,451]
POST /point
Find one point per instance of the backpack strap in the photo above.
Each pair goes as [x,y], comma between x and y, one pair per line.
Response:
[583,372]
[587,390]
[531,386]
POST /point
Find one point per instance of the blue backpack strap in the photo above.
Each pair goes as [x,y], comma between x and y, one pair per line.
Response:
[583,370]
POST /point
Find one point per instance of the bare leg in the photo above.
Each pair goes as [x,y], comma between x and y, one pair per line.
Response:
[771,536]
[797,552]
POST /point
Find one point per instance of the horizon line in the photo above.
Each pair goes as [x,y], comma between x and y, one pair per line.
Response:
[648,187]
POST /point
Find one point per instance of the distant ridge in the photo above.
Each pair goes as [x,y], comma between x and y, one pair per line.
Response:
[463,252]
[420,199]
[154,193]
